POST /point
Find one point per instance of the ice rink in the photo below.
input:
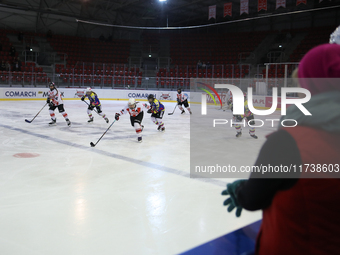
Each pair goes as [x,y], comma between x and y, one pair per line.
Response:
[121,197]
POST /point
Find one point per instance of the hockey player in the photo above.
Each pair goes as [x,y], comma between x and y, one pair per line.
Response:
[136,116]
[229,99]
[94,102]
[182,100]
[248,115]
[156,109]
[55,100]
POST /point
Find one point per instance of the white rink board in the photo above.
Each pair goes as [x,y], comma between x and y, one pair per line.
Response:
[108,94]
[72,93]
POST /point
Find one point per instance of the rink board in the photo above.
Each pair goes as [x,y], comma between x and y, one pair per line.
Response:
[74,93]
[261,102]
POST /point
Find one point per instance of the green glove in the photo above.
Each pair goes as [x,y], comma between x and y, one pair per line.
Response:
[232,200]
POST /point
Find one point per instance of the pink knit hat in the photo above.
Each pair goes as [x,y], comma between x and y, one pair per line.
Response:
[320,62]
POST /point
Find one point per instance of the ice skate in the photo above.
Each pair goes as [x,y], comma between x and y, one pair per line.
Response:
[106,119]
[53,122]
[239,134]
[90,120]
[139,139]
[182,112]
[68,122]
[253,136]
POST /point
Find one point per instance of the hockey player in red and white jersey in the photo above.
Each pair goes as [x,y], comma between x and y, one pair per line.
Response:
[182,99]
[136,116]
[55,100]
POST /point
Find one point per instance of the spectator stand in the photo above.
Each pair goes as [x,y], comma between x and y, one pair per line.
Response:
[29,76]
[99,75]
[179,76]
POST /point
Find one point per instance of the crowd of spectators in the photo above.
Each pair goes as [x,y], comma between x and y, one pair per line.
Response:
[9,59]
[11,65]
[203,64]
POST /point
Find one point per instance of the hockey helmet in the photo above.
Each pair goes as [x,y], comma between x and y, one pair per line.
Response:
[88,90]
[151,97]
[132,103]
[51,85]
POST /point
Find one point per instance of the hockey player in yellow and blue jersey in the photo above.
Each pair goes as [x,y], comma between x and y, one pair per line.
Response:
[248,115]
[94,103]
[157,110]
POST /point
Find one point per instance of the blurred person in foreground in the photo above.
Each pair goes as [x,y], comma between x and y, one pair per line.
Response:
[301,211]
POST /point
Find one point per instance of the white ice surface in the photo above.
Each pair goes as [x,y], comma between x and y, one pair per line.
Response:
[120,197]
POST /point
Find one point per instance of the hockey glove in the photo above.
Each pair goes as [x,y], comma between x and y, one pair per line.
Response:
[117,116]
[91,107]
[149,111]
[238,118]
[82,98]
[178,101]
[232,202]
[48,100]
[51,104]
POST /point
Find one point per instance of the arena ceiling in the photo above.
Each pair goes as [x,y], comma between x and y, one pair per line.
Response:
[42,14]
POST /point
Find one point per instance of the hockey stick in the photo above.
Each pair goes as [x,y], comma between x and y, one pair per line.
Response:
[94,144]
[30,121]
[89,105]
[173,110]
